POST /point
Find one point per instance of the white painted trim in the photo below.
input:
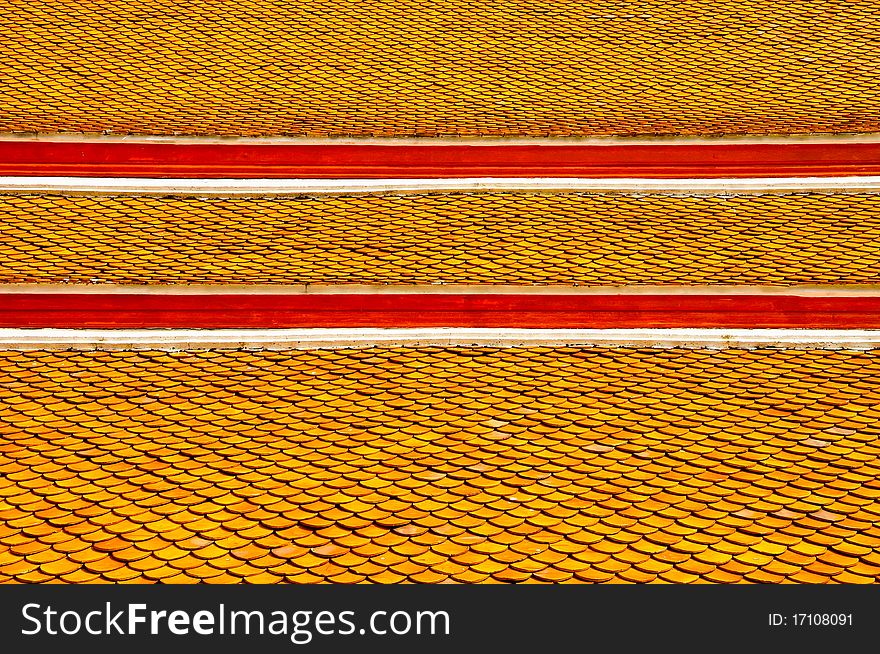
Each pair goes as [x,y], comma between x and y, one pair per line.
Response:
[436,289]
[260,187]
[723,139]
[282,339]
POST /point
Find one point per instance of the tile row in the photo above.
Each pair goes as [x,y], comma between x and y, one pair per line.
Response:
[446,67]
[436,465]
[452,238]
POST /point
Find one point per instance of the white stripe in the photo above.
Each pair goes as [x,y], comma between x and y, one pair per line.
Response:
[215,187]
[804,290]
[281,339]
[724,139]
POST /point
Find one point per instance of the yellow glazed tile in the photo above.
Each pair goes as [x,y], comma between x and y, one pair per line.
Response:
[474,478]
[380,68]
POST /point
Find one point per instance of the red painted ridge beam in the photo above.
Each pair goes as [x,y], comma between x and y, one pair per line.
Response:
[108,311]
[347,161]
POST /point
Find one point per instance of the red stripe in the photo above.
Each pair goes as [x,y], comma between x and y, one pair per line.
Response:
[116,159]
[527,311]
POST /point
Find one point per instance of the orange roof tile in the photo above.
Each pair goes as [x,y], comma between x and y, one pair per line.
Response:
[434,464]
[445,67]
[458,238]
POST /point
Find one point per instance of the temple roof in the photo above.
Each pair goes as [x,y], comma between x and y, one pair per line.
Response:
[491,237]
[439,68]
[440,464]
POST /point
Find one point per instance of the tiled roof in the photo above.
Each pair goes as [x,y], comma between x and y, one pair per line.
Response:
[439,67]
[431,465]
[459,238]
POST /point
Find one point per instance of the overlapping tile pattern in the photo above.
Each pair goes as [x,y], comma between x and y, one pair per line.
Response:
[439,67]
[460,238]
[440,465]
